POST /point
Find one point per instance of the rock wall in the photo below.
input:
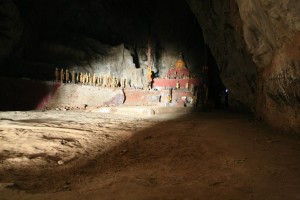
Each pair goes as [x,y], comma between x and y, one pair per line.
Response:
[257,46]
[222,31]
[99,37]
[272,33]
[24,94]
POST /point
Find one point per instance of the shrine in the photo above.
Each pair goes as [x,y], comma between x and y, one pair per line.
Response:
[177,88]
[183,85]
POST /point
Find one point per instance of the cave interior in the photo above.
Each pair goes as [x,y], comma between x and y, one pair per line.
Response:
[161,99]
[106,38]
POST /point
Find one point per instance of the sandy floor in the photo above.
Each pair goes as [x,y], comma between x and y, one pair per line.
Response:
[92,155]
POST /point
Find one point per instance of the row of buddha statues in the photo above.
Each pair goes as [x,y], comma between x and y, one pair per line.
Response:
[187,86]
[88,79]
[174,73]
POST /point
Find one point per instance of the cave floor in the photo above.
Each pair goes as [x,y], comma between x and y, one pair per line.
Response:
[92,155]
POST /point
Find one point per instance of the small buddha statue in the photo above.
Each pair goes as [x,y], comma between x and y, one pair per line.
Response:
[187,85]
[62,75]
[80,78]
[117,82]
[99,80]
[67,76]
[169,98]
[86,79]
[177,85]
[125,83]
[94,79]
[104,81]
[73,76]
[89,79]
[113,81]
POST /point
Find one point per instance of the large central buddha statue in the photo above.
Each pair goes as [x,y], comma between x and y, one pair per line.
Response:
[180,63]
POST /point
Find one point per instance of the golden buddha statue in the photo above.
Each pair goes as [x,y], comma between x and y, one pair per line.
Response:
[73,76]
[67,76]
[62,75]
[180,63]
[187,85]
[177,85]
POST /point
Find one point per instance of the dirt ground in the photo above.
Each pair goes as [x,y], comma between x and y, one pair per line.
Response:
[130,155]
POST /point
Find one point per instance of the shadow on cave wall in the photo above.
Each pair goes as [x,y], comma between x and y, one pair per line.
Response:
[22,94]
[218,93]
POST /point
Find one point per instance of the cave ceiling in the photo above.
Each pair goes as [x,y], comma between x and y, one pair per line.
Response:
[87,34]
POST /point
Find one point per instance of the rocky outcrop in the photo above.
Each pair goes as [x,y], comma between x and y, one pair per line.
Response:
[257,46]
[23,94]
[272,33]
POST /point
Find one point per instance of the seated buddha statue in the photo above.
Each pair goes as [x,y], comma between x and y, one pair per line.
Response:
[180,63]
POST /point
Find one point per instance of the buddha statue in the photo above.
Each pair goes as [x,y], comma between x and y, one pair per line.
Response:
[180,63]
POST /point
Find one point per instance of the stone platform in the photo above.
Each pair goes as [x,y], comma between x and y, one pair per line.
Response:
[35,95]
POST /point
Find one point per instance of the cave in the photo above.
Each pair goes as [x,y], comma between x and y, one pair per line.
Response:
[173,99]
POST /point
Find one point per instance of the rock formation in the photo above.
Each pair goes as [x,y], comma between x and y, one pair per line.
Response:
[98,36]
[256,44]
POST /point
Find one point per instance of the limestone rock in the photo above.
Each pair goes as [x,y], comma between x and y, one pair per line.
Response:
[221,25]
[257,47]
